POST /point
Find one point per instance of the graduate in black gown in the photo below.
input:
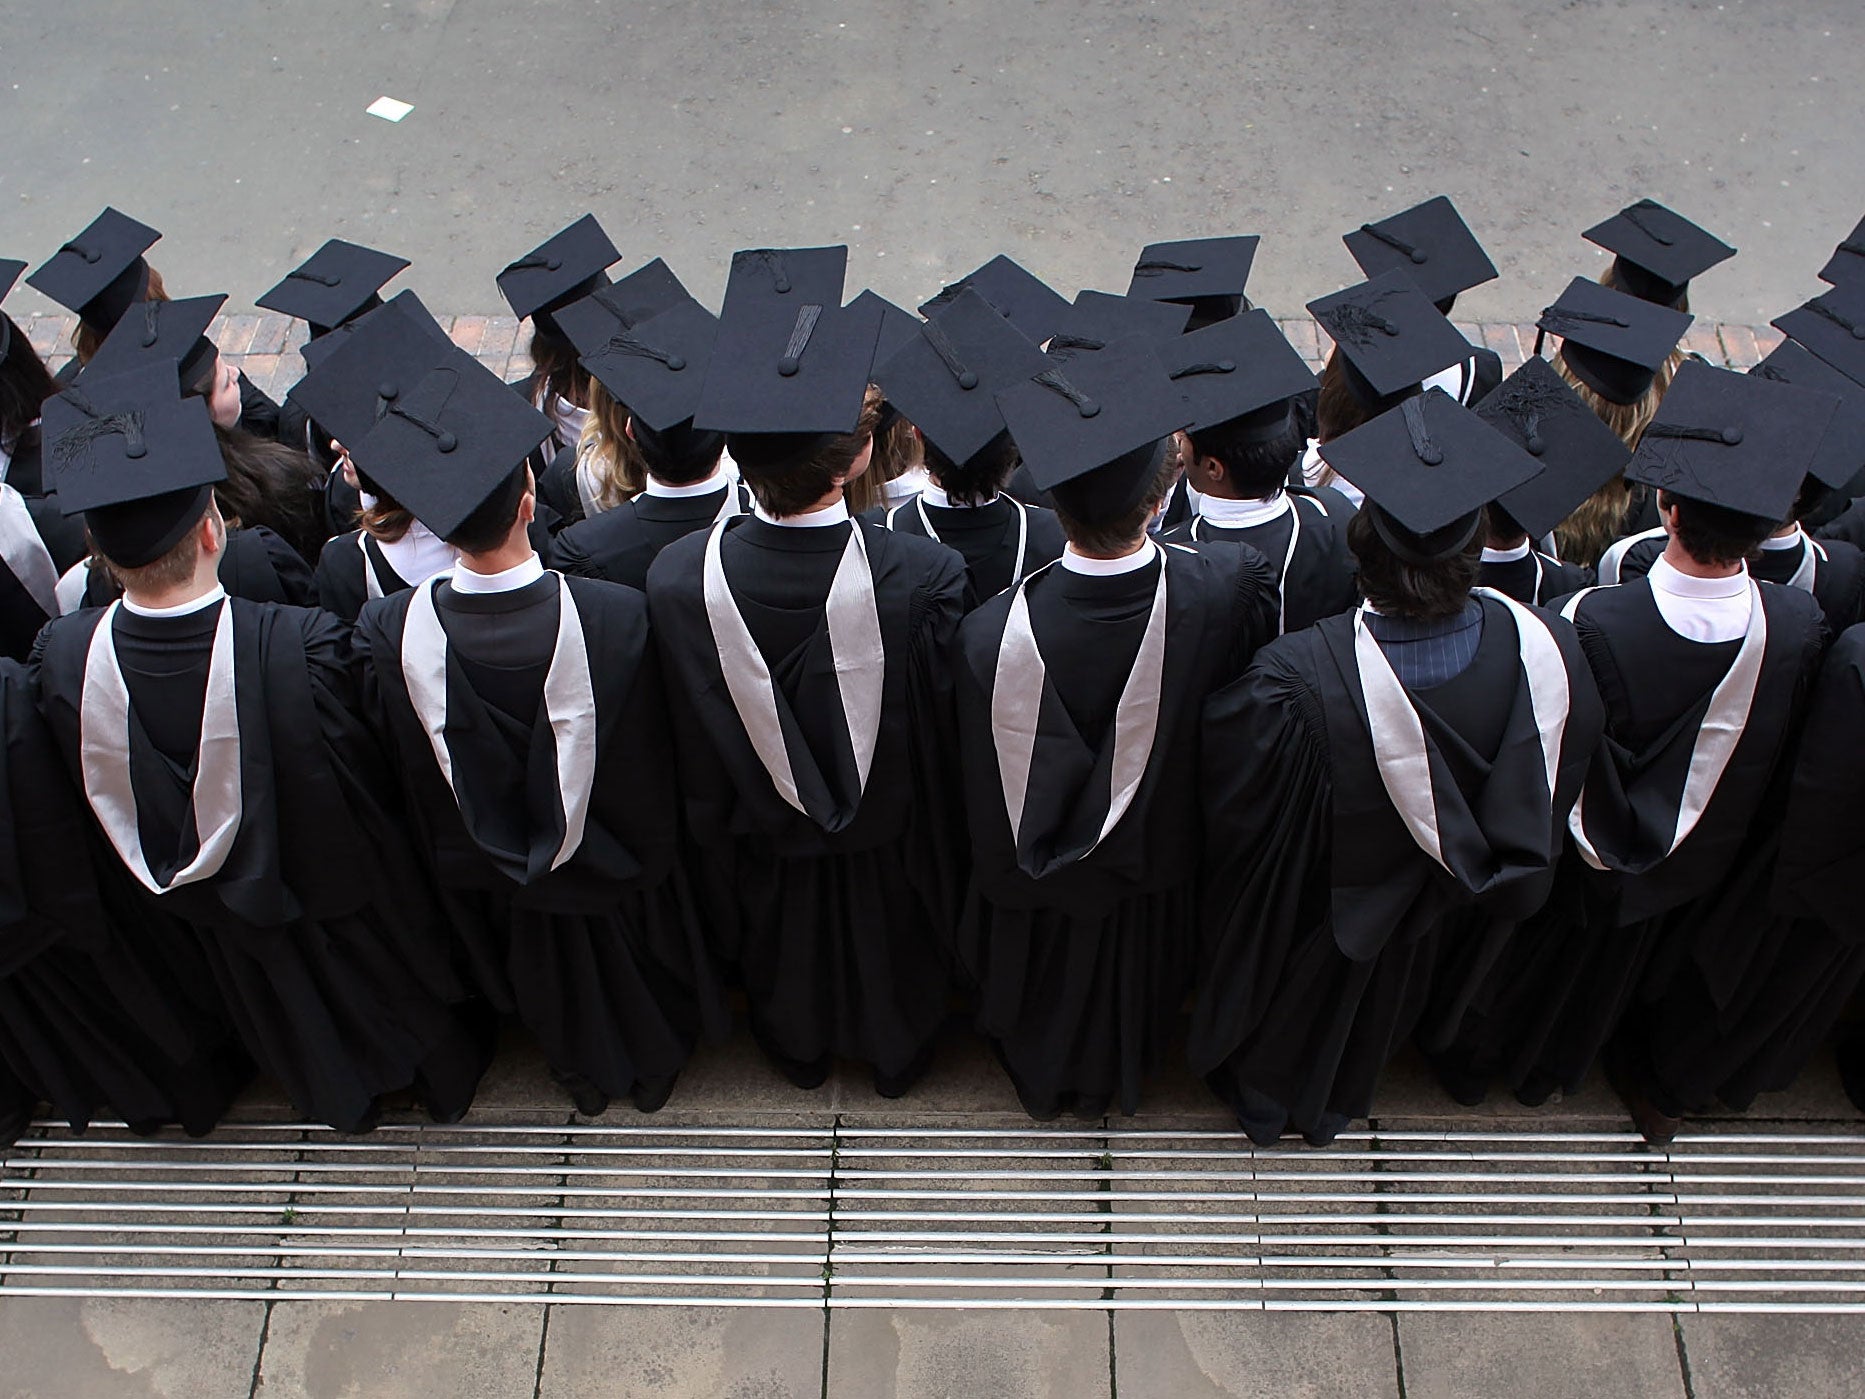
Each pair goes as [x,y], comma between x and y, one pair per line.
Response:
[1246,386]
[218,745]
[807,671]
[656,365]
[943,381]
[102,1013]
[1535,408]
[1079,695]
[526,712]
[1386,793]
[1703,671]
[1431,245]
[1656,252]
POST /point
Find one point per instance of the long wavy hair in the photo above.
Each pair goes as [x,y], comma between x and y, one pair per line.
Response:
[608,452]
[1601,518]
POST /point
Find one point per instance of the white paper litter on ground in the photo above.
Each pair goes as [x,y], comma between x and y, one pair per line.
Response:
[389,108]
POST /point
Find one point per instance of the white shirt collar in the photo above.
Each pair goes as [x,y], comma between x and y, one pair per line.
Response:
[509,581]
[658,487]
[568,418]
[1520,551]
[1223,513]
[1791,540]
[180,609]
[1106,568]
[814,519]
[1677,583]
[904,486]
[934,495]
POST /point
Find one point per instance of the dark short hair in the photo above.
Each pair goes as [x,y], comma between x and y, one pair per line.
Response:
[1427,592]
[1715,534]
[1106,536]
[1259,467]
[491,520]
[982,477]
[680,455]
[789,484]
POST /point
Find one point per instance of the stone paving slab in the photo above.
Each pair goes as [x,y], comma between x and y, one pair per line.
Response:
[1254,1355]
[1551,1355]
[1764,1356]
[681,1353]
[406,1350]
[128,1348]
[914,1354]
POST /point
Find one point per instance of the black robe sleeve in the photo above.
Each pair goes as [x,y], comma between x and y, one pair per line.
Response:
[1821,869]
[337,583]
[259,415]
[556,487]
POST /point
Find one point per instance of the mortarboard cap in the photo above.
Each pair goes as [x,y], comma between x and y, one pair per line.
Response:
[786,365]
[1089,430]
[1735,440]
[568,265]
[1018,295]
[316,351]
[447,441]
[1237,368]
[788,275]
[1613,341]
[9,274]
[945,379]
[657,366]
[1847,264]
[898,327]
[1098,319]
[1431,244]
[647,291]
[1656,251]
[1207,274]
[1539,411]
[162,330]
[1390,335]
[369,366]
[1430,465]
[135,457]
[1842,455]
[335,284]
[100,273]
[1833,327]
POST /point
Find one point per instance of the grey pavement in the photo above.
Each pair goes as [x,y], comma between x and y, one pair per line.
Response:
[928,137]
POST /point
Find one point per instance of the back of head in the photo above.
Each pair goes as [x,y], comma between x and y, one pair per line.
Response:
[680,455]
[490,523]
[1108,532]
[791,473]
[981,478]
[1398,587]
[1257,461]
[1714,535]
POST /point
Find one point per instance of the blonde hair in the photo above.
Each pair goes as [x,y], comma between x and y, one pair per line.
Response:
[1600,519]
[614,459]
[864,492]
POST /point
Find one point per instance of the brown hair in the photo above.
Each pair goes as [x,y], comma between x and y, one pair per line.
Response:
[85,337]
[619,469]
[896,452]
[25,384]
[1715,534]
[1422,592]
[388,520]
[270,484]
[1600,519]
[795,486]
[1110,537]
[173,569]
[1338,411]
[558,369]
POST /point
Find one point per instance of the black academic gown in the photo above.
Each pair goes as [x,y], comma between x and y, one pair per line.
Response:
[600,951]
[985,537]
[1838,582]
[1331,935]
[1081,948]
[341,582]
[619,545]
[324,942]
[1573,972]
[839,921]
[1535,578]
[556,486]
[25,470]
[101,1011]
[37,541]
[259,415]
[1318,578]
[257,565]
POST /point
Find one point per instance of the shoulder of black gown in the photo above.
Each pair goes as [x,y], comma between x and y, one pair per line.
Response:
[25,473]
[1488,375]
[556,487]
[1180,533]
[1560,579]
[1848,525]
[1047,538]
[62,534]
[1840,584]
[259,415]
[1251,580]
[1821,867]
[260,566]
[1333,504]
[337,583]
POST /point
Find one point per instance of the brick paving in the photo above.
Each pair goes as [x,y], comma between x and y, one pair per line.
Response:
[265,347]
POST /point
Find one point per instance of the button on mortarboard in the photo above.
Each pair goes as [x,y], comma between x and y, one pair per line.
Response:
[1847,264]
[1430,464]
[1234,368]
[370,366]
[1082,427]
[173,331]
[1614,342]
[100,273]
[1743,442]
[568,265]
[1208,274]
[1842,454]
[1538,410]
[656,367]
[448,440]
[945,379]
[1657,251]
[337,283]
[1018,295]
[1390,334]
[1833,327]
[1430,243]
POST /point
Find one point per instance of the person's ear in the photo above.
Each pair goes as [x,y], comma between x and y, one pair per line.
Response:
[628,428]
